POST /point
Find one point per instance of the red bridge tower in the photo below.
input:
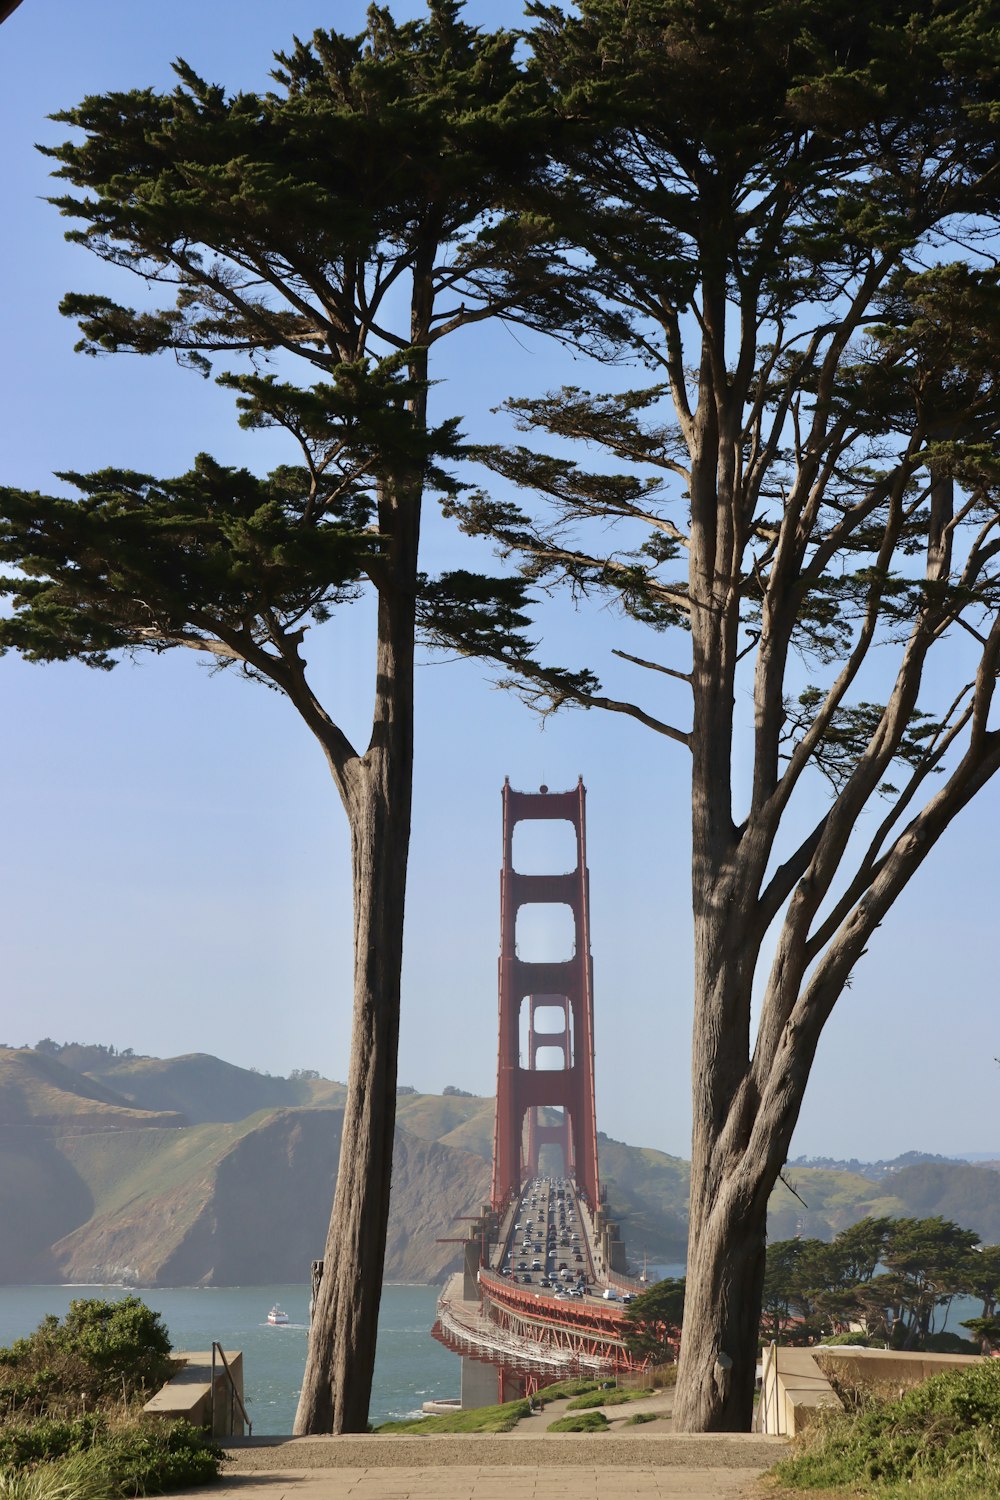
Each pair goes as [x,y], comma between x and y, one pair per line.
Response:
[521,1086]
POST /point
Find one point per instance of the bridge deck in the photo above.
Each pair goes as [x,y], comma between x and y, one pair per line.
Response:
[545,1300]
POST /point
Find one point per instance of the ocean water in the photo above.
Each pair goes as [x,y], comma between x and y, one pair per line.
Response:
[410,1366]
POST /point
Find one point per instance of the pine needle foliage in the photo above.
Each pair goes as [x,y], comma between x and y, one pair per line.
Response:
[310,245]
[786,216]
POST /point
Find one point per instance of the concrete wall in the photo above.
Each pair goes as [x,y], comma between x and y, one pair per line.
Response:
[188,1395]
[794,1386]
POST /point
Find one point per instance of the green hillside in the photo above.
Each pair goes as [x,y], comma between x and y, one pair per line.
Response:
[41,1199]
[39,1090]
[183,1170]
[647,1193]
[248,1203]
[968,1195]
[462,1121]
[204,1088]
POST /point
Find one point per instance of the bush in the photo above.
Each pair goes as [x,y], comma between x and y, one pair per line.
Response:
[25,1443]
[946,1429]
[124,1344]
[639,1417]
[137,1457]
[584,1421]
[106,1356]
[101,1351]
[151,1458]
[69,1479]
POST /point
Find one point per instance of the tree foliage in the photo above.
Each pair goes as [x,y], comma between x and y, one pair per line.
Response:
[787,217]
[655,1316]
[891,1277]
[311,244]
[99,1352]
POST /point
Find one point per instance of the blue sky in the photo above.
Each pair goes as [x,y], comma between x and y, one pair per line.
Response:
[175,874]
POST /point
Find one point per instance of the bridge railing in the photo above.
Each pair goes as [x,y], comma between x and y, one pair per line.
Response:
[574,1314]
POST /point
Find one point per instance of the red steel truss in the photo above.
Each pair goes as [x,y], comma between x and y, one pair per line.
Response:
[593,1335]
[522,1088]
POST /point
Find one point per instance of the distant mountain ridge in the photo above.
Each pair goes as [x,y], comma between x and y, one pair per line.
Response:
[191,1171]
[875,1171]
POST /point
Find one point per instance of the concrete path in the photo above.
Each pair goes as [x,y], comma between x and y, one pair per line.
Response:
[570,1466]
[465,1482]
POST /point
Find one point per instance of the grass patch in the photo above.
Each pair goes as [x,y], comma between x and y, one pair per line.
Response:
[478,1419]
[941,1438]
[638,1418]
[605,1398]
[575,1386]
[68,1479]
[100,1459]
[584,1421]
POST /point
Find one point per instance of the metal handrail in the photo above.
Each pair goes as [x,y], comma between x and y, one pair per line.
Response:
[234,1393]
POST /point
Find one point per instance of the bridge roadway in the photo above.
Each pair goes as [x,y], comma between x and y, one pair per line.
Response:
[542,1303]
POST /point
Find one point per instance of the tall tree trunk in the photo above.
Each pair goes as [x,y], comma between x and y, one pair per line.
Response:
[729,1188]
[725,1275]
[336,1387]
[378,796]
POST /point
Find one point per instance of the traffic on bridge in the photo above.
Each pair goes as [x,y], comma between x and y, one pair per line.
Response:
[544,1286]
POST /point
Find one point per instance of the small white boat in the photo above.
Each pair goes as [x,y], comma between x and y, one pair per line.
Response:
[277,1315]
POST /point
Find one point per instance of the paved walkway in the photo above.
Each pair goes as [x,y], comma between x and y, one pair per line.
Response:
[528,1463]
[570,1466]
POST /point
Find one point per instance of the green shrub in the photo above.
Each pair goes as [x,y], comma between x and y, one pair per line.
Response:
[584,1421]
[151,1458]
[73,1478]
[852,1340]
[951,1343]
[25,1443]
[101,1351]
[104,1356]
[639,1417]
[124,1343]
[476,1419]
[134,1456]
[947,1428]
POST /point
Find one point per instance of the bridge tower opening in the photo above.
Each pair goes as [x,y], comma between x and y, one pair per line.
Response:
[563,989]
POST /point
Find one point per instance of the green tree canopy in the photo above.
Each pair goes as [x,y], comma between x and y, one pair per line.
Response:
[655,1316]
[892,1276]
[787,216]
[311,244]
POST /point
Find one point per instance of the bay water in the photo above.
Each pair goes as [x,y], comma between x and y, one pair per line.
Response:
[410,1366]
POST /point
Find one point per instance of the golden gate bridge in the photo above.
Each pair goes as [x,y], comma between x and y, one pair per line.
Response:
[543,1283]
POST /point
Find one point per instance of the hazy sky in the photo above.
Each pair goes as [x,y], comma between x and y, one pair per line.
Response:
[175,875]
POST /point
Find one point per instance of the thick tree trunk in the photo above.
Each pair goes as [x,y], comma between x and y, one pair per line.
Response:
[725,1277]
